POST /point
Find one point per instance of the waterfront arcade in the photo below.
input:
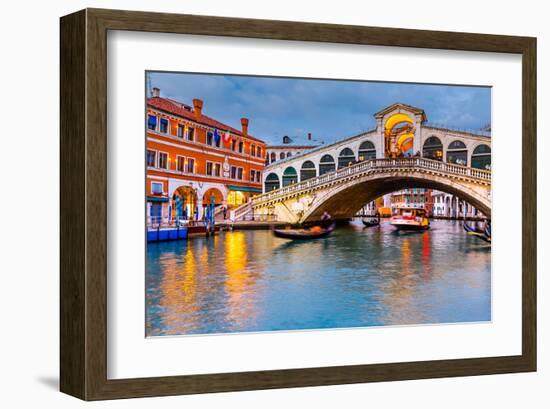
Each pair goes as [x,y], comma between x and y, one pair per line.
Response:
[194,160]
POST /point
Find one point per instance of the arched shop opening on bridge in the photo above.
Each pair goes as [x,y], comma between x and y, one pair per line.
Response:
[290,176]
[184,202]
[433,148]
[367,151]
[307,170]
[326,165]
[399,136]
[346,158]
[457,153]
[271,182]
[481,157]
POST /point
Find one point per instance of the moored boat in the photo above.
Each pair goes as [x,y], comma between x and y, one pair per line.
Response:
[304,234]
[483,234]
[410,218]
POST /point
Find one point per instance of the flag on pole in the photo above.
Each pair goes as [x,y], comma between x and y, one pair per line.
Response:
[227,136]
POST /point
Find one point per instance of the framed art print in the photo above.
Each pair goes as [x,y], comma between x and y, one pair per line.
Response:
[253,204]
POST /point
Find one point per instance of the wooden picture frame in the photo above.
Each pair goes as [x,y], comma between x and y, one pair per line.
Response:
[83,232]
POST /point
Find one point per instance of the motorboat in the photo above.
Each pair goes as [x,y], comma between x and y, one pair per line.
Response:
[410,218]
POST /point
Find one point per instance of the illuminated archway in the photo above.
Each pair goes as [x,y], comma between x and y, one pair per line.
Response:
[184,202]
[399,136]
[207,197]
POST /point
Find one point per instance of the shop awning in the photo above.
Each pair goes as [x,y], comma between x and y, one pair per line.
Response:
[244,189]
[157,198]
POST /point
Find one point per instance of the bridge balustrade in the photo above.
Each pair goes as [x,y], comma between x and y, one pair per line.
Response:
[361,167]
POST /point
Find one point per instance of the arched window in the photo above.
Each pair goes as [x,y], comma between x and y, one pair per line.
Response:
[290,176]
[345,158]
[433,148]
[288,154]
[307,171]
[326,164]
[273,157]
[271,182]
[481,157]
[282,155]
[457,153]
[367,151]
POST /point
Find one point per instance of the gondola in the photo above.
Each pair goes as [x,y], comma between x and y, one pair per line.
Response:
[304,234]
[483,234]
[371,222]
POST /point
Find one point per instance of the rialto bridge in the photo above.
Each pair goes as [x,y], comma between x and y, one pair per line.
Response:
[401,152]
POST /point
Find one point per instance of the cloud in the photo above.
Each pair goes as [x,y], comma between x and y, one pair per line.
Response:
[330,109]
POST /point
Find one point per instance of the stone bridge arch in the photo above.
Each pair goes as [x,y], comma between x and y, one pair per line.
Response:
[344,201]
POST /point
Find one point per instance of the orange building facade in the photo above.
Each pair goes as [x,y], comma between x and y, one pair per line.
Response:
[194,160]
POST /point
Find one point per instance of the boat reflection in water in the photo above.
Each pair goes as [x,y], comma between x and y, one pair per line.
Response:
[245,281]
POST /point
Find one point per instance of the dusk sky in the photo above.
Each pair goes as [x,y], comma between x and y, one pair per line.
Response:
[329,109]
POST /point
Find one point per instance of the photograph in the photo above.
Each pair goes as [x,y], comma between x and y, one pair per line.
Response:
[304,204]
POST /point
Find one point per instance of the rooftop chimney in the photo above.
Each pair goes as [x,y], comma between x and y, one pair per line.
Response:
[197,104]
[309,136]
[244,124]
[156,92]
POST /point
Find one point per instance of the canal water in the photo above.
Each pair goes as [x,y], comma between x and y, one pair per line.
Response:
[246,281]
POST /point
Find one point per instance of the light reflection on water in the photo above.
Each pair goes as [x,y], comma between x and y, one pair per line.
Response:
[246,281]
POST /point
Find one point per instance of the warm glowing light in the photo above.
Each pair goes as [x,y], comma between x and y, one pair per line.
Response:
[397,119]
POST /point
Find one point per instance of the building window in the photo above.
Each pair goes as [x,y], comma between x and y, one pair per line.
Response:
[152,122]
[163,160]
[209,138]
[259,152]
[180,164]
[217,169]
[241,146]
[273,157]
[258,176]
[190,165]
[286,139]
[282,155]
[233,172]
[181,131]
[240,173]
[190,134]
[209,168]
[156,187]
[164,125]
[253,150]
[252,175]
[288,154]
[151,158]
[233,145]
